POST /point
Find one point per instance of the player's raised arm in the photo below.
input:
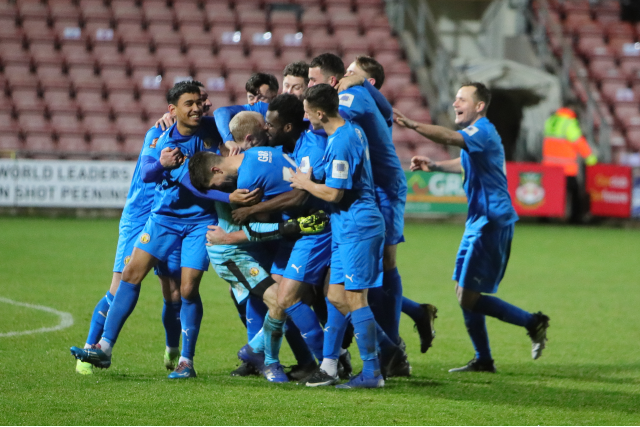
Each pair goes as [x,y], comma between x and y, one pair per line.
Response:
[439,134]
[425,164]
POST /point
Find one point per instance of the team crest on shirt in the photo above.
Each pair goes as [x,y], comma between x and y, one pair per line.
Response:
[470,130]
[145,238]
[127,259]
[153,143]
[346,99]
[254,271]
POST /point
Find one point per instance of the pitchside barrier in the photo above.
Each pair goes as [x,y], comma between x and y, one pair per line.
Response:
[535,190]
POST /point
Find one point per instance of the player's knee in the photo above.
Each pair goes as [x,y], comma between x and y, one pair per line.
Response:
[389,257]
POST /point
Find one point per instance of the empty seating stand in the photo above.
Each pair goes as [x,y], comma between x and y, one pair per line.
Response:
[87,78]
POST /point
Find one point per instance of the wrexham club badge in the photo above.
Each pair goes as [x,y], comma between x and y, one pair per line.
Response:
[530,193]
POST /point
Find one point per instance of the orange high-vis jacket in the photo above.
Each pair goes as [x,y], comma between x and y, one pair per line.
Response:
[563,141]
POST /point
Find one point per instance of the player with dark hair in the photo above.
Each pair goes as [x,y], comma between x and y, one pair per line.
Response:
[295,78]
[486,243]
[357,229]
[261,87]
[134,215]
[178,219]
[356,104]
[368,72]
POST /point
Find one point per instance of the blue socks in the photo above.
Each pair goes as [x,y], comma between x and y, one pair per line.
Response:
[171,322]
[298,346]
[307,322]
[257,342]
[99,318]
[242,309]
[121,308]
[412,309]
[256,311]
[386,303]
[190,318]
[334,331]
[365,329]
[502,310]
[273,332]
[477,329]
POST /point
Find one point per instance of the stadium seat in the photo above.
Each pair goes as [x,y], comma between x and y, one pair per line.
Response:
[252,17]
[290,55]
[33,10]
[173,76]
[234,59]
[66,124]
[218,13]
[313,18]
[92,10]
[214,82]
[34,123]
[27,100]
[157,11]
[126,11]
[615,91]
[132,125]
[98,124]
[153,102]
[188,15]
[576,20]
[105,145]
[71,145]
[283,18]
[621,29]
[132,33]
[633,138]
[11,141]
[92,103]
[132,145]
[629,66]
[42,146]
[58,100]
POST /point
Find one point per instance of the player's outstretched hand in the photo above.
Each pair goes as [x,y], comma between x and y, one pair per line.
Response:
[216,235]
[233,147]
[242,197]
[349,81]
[422,163]
[165,121]
[300,179]
[171,158]
[403,120]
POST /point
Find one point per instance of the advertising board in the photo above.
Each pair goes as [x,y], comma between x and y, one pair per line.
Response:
[64,183]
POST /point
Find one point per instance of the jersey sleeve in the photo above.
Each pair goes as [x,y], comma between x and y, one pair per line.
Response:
[475,138]
[352,104]
[339,167]
[223,116]
[218,196]
[151,169]
[381,102]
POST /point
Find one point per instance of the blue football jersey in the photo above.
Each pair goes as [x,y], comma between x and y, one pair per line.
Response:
[174,202]
[309,152]
[357,105]
[266,168]
[484,177]
[140,197]
[347,167]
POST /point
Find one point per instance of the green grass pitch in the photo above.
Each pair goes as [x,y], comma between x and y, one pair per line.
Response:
[586,279]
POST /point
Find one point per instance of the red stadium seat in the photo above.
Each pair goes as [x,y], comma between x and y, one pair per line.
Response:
[226,35]
[630,66]
[157,11]
[98,124]
[614,92]
[126,11]
[27,100]
[33,10]
[92,103]
[171,77]
[39,144]
[66,124]
[576,20]
[105,145]
[218,13]
[11,141]
[131,125]
[153,102]
[59,101]
[237,81]
[132,33]
[633,138]
[188,14]
[72,144]
[289,55]
[234,59]
[252,17]
[132,145]
[283,18]
[621,29]
[214,82]
[93,10]
[313,18]
[34,123]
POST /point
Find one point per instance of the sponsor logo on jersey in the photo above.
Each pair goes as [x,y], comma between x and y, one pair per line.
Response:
[346,99]
[264,156]
[530,192]
[153,143]
[470,130]
[254,271]
[340,169]
[145,238]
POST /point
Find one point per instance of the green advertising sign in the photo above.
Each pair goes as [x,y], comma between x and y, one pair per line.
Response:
[435,193]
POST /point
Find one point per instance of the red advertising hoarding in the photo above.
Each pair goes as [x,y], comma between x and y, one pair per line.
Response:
[537,190]
[609,188]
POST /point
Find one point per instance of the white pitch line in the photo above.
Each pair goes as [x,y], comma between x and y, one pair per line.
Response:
[66,319]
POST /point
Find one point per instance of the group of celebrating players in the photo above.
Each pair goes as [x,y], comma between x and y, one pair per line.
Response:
[297,201]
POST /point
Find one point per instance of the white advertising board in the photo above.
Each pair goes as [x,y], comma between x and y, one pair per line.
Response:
[64,183]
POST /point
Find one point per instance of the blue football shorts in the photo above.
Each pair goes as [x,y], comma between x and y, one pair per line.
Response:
[161,239]
[482,258]
[128,233]
[310,259]
[357,264]
[392,208]
[282,255]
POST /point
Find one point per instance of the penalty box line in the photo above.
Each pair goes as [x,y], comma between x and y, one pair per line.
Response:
[66,319]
